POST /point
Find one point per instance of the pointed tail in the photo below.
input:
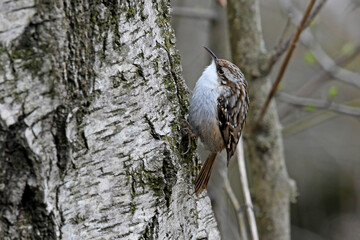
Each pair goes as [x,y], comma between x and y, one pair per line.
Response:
[203,177]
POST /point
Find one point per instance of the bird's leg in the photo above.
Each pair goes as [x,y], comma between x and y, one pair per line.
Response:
[190,135]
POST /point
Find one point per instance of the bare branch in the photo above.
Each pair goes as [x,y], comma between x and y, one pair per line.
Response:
[246,192]
[237,207]
[325,61]
[328,64]
[248,206]
[313,84]
[281,38]
[285,62]
[282,46]
[315,12]
[300,101]
[278,52]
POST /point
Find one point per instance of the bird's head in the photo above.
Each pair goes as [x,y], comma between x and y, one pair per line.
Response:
[225,70]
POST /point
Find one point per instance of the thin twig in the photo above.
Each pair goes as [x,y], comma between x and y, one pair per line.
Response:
[315,119]
[282,46]
[283,33]
[237,207]
[300,101]
[324,60]
[315,12]
[246,192]
[314,84]
[285,62]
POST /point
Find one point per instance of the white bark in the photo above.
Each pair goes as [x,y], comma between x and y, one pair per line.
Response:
[91,106]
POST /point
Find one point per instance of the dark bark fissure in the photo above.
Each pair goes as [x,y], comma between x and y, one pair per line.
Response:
[79,62]
[168,168]
[179,89]
[61,143]
[24,202]
[169,172]
[33,212]
[21,166]
[151,229]
[153,132]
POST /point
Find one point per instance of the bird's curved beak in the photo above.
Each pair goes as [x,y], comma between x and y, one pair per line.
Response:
[211,53]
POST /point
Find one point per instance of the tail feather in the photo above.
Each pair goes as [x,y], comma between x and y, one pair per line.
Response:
[203,177]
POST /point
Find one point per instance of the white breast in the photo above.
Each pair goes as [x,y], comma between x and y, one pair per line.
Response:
[203,105]
[205,93]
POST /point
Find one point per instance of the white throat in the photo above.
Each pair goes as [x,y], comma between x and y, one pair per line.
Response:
[209,77]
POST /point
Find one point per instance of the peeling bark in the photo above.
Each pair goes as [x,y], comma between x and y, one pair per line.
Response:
[91,110]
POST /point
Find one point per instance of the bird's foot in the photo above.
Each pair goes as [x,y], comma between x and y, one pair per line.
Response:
[190,136]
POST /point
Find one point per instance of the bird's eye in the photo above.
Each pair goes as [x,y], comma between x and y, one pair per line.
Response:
[221,71]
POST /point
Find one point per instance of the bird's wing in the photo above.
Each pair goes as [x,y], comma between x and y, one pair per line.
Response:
[232,111]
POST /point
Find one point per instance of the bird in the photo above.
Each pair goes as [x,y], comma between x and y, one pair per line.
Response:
[217,112]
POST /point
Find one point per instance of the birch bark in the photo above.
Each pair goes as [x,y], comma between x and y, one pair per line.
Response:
[91,109]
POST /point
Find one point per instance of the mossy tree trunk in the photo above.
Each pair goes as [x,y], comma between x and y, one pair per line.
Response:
[91,107]
[271,188]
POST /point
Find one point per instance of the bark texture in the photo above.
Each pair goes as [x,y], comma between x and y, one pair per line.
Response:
[91,106]
[271,188]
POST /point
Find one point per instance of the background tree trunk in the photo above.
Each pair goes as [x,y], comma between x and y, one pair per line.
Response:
[91,106]
[271,188]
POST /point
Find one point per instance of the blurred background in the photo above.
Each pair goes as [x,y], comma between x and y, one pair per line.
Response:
[322,147]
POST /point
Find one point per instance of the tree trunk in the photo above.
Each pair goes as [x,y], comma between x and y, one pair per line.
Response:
[271,188]
[91,110]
